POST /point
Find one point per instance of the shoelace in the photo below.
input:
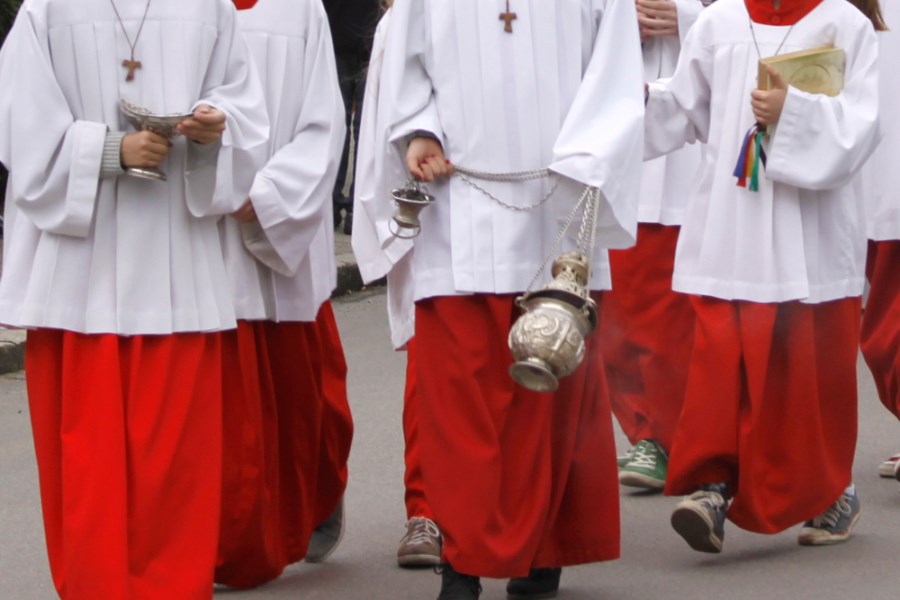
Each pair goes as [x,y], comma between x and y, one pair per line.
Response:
[834,513]
[643,458]
[712,500]
[422,531]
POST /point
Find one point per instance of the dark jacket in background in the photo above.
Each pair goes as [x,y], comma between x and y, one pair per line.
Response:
[352,25]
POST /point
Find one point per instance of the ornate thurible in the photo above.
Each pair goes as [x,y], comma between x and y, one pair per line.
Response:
[548,340]
[410,200]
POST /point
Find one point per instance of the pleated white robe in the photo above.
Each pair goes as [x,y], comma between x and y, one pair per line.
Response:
[124,256]
[667,180]
[880,177]
[564,94]
[283,267]
[802,235]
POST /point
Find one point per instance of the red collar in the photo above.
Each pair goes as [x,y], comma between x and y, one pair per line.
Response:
[244,4]
[791,11]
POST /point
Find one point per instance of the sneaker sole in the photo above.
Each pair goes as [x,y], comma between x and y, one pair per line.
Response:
[418,560]
[696,530]
[318,559]
[541,596]
[886,469]
[639,480]
[830,540]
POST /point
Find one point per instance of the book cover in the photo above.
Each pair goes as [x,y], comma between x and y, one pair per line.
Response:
[817,71]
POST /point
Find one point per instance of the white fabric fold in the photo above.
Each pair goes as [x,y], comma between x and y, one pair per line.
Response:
[282,267]
[563,90]
[122,255]
[801,236]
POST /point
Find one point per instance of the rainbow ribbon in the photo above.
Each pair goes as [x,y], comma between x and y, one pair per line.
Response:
[752,153]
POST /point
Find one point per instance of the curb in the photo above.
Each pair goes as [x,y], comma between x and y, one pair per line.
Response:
[349,280]
[12,351]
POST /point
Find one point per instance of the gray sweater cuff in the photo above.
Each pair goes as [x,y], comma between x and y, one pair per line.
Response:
[111,164]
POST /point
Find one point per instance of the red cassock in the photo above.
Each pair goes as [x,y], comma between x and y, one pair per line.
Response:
[516,479]
[880,339]
[770,409]
[127,433]
[646,337]
[287,434]
[416,503]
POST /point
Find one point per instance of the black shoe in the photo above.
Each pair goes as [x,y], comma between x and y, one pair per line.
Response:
[540,583]
[348,223]
[457,586]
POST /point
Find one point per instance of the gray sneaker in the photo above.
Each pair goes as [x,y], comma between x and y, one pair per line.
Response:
[327,536]
[421,546]
[834,525]
[700,520]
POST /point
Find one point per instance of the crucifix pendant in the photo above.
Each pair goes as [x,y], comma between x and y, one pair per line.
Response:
[131,65]
[509,17]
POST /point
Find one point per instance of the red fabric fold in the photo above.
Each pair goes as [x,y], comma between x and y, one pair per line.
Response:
[771,391]
[880,338]
[127,432]
[516,479]
[645,337]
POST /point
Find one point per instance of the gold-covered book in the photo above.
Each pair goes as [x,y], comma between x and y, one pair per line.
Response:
[817,71]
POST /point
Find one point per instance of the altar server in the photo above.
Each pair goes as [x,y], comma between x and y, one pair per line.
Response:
[521,483]
[647,328]
[287,422]
[881,319]
[768,429]
[121,280]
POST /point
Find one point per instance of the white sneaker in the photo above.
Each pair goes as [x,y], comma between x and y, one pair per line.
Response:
[421,546]
[886,469]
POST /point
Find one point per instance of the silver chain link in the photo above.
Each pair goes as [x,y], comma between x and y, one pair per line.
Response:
[590,195]
[467,175]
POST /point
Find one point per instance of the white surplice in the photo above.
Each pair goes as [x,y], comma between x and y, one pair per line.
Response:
[120,255]
[562,91]
[880,176]
[801,236]
[373,261]
[283,268]
[667,180]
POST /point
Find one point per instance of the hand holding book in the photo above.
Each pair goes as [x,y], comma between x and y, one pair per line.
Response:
[768,104]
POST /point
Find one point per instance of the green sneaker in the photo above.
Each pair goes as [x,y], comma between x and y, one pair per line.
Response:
[624,459]
[647,467]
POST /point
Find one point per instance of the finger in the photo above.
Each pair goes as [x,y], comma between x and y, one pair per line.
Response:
[211,117]
[412,165]
[778,82]
[427,173]
[438,166]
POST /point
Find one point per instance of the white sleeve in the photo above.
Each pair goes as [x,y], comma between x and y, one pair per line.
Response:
[54,159]
[821,142]
[231,85]
[291,193]
[678,107]
[601,138]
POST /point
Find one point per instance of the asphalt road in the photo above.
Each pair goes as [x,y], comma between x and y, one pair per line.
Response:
[655,563]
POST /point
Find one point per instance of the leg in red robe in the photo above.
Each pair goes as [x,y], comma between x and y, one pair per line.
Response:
[516,479]
[127,434]
[880,338]
[416,504]
[646,337]
[251,547]
[337,420]
[770,408]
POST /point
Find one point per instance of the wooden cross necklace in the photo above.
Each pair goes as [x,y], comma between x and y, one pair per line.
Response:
[130,63]
[509,17]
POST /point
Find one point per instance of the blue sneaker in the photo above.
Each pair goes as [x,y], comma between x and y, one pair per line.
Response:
[834,525]
[700,520]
